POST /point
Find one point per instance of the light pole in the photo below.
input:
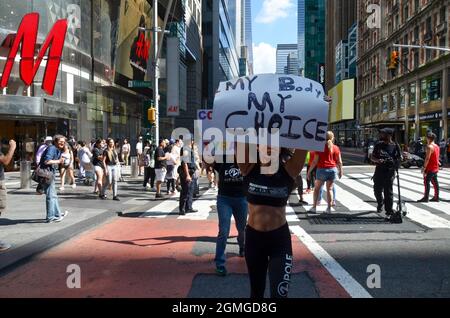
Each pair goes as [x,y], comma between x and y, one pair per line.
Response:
[156,52]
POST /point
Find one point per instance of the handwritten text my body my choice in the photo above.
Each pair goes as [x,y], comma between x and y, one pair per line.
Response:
[313,129]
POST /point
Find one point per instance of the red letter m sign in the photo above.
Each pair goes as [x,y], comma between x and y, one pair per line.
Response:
[27,36]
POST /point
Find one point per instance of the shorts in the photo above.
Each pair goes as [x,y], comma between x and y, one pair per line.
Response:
[160,174]
[325,175]
[99,169]
[3,192]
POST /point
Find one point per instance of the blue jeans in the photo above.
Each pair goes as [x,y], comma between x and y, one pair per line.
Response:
[226,207]
[51,200]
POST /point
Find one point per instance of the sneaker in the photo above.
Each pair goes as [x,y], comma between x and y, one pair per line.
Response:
[423,200]
[51,220]
[159,196]
[380,208]
[333,204]
[301,202]
[192,211]
[103,197]
[182,213]
[116,199]
[62,189]
[435,200]
[221,271]
[4,246]
[312,210]
[64,214]
[74,186]
[328,210]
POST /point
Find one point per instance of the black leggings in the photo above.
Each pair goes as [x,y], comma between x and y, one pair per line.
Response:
[269,251]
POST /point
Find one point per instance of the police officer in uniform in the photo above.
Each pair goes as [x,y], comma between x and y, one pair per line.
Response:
[387,156]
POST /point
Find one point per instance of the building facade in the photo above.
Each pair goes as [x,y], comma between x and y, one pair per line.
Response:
[412,97]
[222,50]
[183,72]
[340,16]
[301,36]
[248,39]
[315,40]
[283,53]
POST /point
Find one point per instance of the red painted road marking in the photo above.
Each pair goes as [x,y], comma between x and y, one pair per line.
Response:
[141,258]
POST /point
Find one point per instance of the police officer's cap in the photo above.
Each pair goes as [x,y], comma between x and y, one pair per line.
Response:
[388,131]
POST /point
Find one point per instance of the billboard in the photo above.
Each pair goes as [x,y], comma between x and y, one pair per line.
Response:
[343,105]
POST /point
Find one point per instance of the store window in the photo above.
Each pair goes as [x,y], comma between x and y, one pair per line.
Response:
[376,105]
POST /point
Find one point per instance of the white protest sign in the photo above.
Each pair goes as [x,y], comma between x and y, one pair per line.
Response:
[293,104]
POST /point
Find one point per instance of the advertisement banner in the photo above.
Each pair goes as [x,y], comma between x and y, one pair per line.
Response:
[343,104]
[173,77]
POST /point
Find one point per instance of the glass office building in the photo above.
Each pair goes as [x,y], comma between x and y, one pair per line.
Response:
[314,38]
[301,35]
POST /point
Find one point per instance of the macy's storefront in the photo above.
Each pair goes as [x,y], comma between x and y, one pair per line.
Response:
[91,97]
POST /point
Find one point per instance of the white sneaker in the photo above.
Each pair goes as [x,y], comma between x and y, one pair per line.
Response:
[312,210]
[74,186]
[328,210]
[62,189]
[64,214]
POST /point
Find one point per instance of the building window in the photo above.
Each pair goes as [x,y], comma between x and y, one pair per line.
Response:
[402,98]
[385,103]
[412,95]
[406,13]
[393,102]
[423,92]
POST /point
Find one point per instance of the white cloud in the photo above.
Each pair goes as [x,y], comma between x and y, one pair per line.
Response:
[264,58]
[273,10]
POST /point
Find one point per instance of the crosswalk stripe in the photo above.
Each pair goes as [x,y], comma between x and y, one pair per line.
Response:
[419,177]
[351,201]
[162,210]
[418,181]
[416,214]
[204,207]
[351,286]
[291,216]
[408,194]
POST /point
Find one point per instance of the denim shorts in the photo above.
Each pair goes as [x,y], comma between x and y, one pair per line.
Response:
[325,175]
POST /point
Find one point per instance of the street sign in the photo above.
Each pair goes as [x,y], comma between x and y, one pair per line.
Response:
[139,84]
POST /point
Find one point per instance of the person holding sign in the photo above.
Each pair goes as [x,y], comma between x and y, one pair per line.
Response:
[291,110]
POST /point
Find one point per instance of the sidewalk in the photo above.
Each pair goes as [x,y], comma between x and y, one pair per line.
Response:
[23,224]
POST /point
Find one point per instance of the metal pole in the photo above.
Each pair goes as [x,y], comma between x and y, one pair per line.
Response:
[423,47]
[156,75]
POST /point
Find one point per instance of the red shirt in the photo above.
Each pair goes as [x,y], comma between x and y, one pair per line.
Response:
[328,159]
[433,164]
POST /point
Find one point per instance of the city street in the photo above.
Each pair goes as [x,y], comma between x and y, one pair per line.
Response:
[142,248]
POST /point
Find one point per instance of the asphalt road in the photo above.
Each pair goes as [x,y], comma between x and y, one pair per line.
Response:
[152,252]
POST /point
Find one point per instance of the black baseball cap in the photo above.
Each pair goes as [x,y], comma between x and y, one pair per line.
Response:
[388,131]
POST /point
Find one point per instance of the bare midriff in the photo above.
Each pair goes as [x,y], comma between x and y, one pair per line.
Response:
[265,218]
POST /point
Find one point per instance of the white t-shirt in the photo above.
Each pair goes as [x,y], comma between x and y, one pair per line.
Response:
[139,148]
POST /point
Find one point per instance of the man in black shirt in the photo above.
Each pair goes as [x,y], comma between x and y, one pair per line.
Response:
[160,167]
[231,201]
[387,156]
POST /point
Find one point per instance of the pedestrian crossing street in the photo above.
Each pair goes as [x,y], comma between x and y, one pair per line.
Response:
[354,195]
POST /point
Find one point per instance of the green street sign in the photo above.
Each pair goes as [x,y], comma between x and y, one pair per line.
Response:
[139,84]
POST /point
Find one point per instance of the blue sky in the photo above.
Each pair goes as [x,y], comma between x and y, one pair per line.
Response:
[274,22]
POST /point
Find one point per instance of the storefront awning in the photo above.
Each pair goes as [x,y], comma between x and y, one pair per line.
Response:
[383,124]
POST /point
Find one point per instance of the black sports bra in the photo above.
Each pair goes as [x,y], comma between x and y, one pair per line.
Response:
[271,190]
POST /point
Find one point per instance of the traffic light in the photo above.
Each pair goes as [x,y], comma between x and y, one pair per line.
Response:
[151,115]
[393,64]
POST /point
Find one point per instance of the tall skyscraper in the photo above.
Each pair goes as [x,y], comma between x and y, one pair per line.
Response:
[283,52]
[301,36]
[222,30]
[249,33]
[314,39]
